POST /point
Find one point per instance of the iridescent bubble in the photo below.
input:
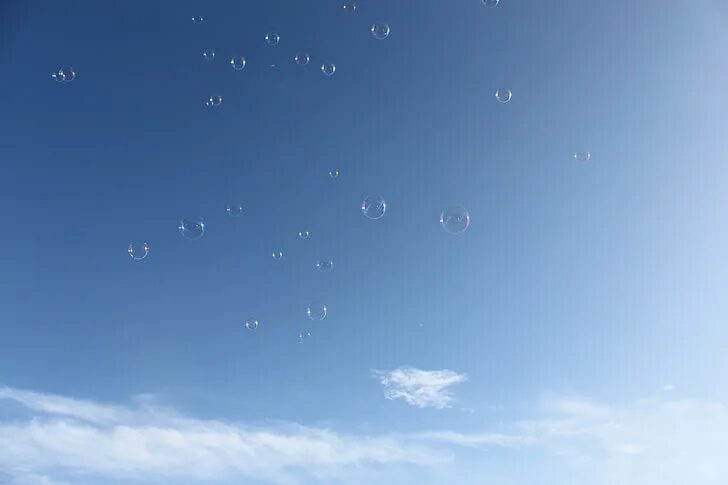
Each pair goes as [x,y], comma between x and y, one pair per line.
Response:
[334,174]
[192,228]
[317,311]
[379,30]
[271,38]
[197,20]
[503,95]
[238,63]
[304,234]
[251,323]
[305,334]
[301,58]
[277,255]
[491,3]
[455,219]
[235,210]
[582,156]
[349,6]
[138,250]
[214,101]
[328,68]
[64,74]
[324,265]
[208,54]
[374,207]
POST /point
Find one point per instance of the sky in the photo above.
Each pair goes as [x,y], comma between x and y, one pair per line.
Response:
[574,333]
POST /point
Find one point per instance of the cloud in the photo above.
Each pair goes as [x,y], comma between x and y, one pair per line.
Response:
[420,388]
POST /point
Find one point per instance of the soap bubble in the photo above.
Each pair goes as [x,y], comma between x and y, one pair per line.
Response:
[277,255]
[455,219]
[328,68]
[305,334]
[271,38]
[324,265]
[235,210]
[197,20]
[503,95]
[349,6]
[208,54]
[317,311]
[301,58]
[304,234]
[374,207]
[334,174]
[379,30]
[138,250]
[491,3]
[192,228]
[214,101]
[582,156]
[238,63]
[251,323]
[64,74]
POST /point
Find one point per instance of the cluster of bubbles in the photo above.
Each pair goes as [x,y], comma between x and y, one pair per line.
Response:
[64,74]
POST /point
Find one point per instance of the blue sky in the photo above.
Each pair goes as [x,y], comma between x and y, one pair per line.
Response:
[572,334]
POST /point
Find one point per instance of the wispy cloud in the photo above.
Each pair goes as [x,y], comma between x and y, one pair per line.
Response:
[421,388]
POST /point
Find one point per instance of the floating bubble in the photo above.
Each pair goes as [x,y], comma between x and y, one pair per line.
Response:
[304,234]
[349,6]
[277,255]
[374,207]
[301,58]
[379,30]
[503,95]
[191,228]
[271,38]
[303,336]
[235,210]
[214,101]
[333,173]
[138,250]
[491,3]
[328,68]
[317,311]
[197,20]
[251,323]
[64,74]
[238,63]
[455,219]
[208,54]
[324,265]
[582,156]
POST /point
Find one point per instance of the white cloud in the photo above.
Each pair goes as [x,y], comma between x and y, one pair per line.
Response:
[421,388]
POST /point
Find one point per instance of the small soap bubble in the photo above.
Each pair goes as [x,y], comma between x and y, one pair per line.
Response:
[234,210]
[379,30]
[582,156]
[277,255]
[271,38]
[491,3]
[374,207]
[303,336]
[191,228]
[208,54]
[455,219]
[349,6]
[251,323]
[197,20]
[214,101]
[317,311]
[238,63]
[324,265]
[64,74]
[301,58]
[334,174]
[503,95]
[138,250]
[328,68]
[304,234]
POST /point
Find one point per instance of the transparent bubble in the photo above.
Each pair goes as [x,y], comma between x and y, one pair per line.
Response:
[64,74]
[197,20]
[138,250]
[304,234]
[277,255]
[374,207]
[455,219]
[349,6]
[235,210]
[324,265]
[251,323]
[379,30]
[334,174]
[208,54]
[491,3]
[301,58]
[503,95]
[192,228]
[317,311]
[214,101]
[328,68]
[582,156]
[238,63]
[304,335]
[271,38]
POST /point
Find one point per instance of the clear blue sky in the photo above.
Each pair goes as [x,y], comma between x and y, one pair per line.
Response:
[604,280]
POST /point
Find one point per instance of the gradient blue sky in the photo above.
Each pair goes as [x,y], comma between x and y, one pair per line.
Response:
[593,283]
